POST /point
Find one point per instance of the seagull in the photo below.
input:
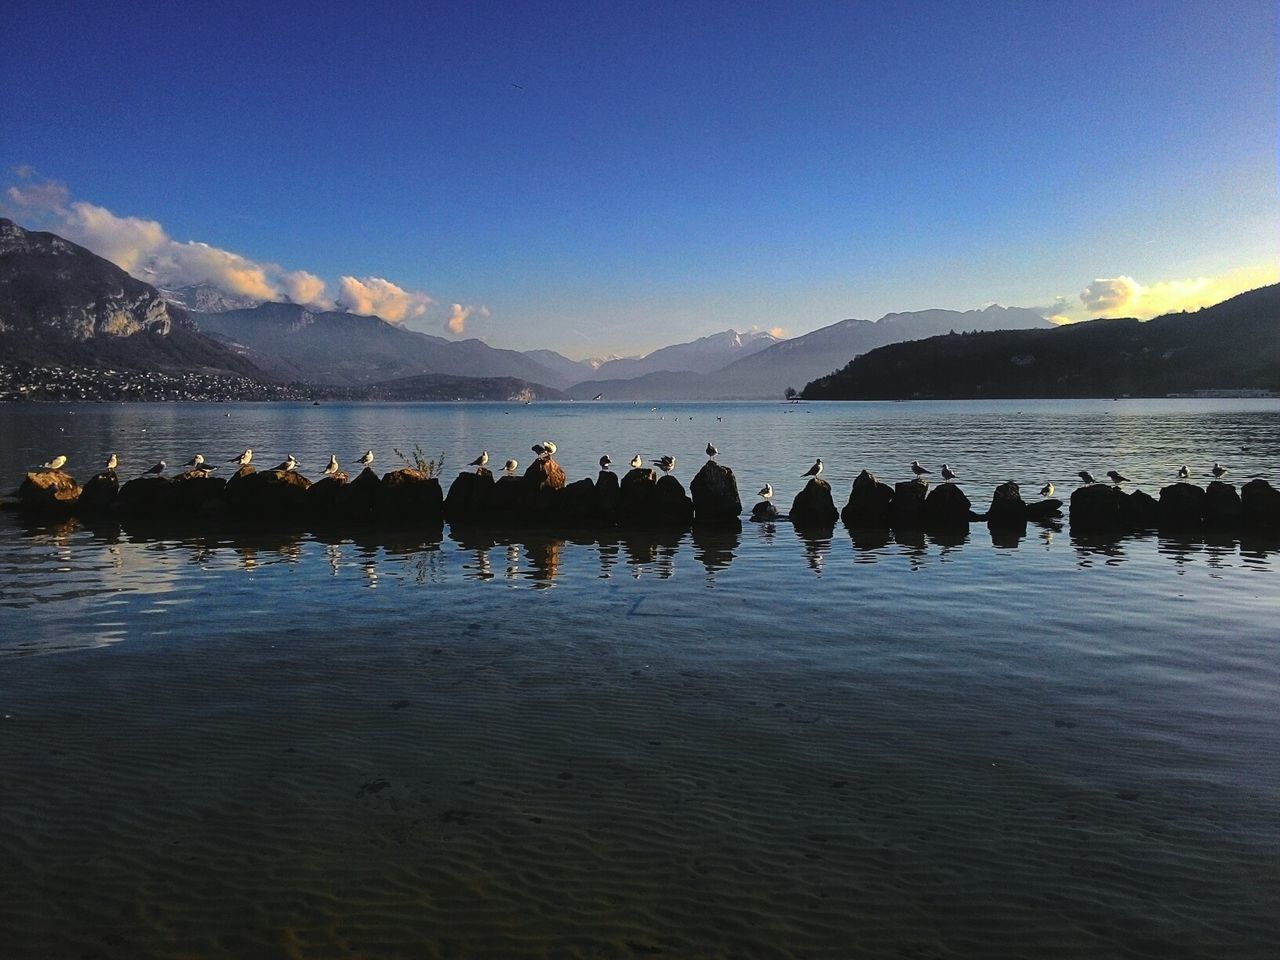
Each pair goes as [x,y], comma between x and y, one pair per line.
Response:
[598,396]
[510,466]
[1117,477]
[539,449]
[112,462]
[947,473]
[57,463]
[366,460]
[244,458]
[1218,470]
[480,461]
[1086,476]
[815,470]
[637,462]
[550,447]
[918,470]
[711,450]
[332,467]
[288,465]
[667,464]
[156,470]
[1047,489]
[1184,472]
[605,462]
[766,492]
[197,462]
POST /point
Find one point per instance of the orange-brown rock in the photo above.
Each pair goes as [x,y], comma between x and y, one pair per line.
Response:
[48,490]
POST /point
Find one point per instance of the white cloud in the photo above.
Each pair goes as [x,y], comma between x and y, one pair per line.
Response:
[459,315]
[1124,296]
[46,195]
[1104,295]
[306,288]
[379,296]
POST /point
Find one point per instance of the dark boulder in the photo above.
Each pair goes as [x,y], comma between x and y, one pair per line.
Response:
[506,498]
[1007,506]
[1097,506]
[908,502]
[150,496]
[672,504]
[48,490]
[274,493]
[1259,500]
[1139,510]
[197,490]
[1223,508]
[947,506]
[323,495]
[238,487]
[543,481]
[358,500]
[715,494]
[813,505]
[870,502]
[410,496]
[1044,509]
[1181,506]
[579,503]
[100,493]
[636,498]
[469,496]
[764,510]
[608,492]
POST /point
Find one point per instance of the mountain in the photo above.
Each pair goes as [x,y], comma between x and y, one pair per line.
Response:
[568,371]
[337,348]
[206,298]
[698,356]
[1232,345]
[62,305]
[440,386]
[765,374]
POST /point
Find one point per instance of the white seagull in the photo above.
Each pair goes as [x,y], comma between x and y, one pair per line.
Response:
[1184,472]
[637,462]
[766,492]
[57,463]
[947,473]
[112,462]
[366,459]
[480,461]
[332,466]
[711,450]
[1218,470]
[1047,489]
[244,459]
[549,447]
[606,462]
[510,466]
[156,470]
[815,470]
[918,470]
[667,464]
[288,465]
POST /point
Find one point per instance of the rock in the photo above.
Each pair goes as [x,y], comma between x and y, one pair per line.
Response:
[608,492]
[579,503]
[147,496]
[636,495]
[274,492]
[1259,500]
[543,480]
[715,494]
[870,502]
[672,504]
[908,502]
[1181,506]
[764,510]
[813,505]
[1044,509]
[196,490]
[358,499]
[1097,506]
[48,490]
[1222,506]
[324,494]
[947,506]
[469,496]
[1007,507]
[409,495]
[507,497]
[1139,510]
[238,486]
[100,493]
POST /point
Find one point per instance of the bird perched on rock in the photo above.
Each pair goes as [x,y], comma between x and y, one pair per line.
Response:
[244,459]
[155,471]
[57,463]
[947,473]
[1184,472]
[540,450]
[112,462]
[1218,470]
[918,470]
[550,447]
[480,461]
[667,464]
[815,470]
[766,492]
[711,450]
[1117,477]
[637,462]
[510,466]
[606,462]
[1086,476]
[1047,489]
[366,459]
[195,461]
[332,467]
[287,465]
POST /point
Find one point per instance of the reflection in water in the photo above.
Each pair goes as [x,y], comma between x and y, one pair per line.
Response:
[716,546]
[817,545]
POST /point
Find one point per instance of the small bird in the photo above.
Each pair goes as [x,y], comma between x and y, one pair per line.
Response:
[550,447]
[1086,476]
[510,466]
[918,470]
[1218,470]
[606,462]
[196,462]
[766,492]
[57,463]
[711,450]
[156,470]
[1117,477]
[480,461]
[112,462]
[637,462]
[366,459]
[815,470]
[1047,489]
[1184,472]
[598,396]
[332,467]
[667,464]
[244,459]
[539,449]
[947,473]
[288,465]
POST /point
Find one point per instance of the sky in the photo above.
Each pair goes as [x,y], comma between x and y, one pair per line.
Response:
[603,178]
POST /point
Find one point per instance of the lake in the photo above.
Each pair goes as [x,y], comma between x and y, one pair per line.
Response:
[744,744]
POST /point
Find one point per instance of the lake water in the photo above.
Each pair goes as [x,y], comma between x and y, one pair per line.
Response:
[753,744]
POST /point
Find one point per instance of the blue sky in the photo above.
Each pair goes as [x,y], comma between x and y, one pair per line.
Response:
[603,178]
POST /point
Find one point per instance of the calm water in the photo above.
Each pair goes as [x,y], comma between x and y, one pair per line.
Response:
[755,744]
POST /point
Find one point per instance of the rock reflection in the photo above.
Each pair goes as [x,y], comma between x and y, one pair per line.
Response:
[817,545]
[868,542]
[716,546]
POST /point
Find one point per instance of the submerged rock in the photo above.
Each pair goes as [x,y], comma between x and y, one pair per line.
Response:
[1044,509]
[870,502]
[813,505]
[764,510]
[715,494]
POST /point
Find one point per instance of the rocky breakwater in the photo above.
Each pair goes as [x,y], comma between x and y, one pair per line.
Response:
[1182,507]
[715,495]
[814,506]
